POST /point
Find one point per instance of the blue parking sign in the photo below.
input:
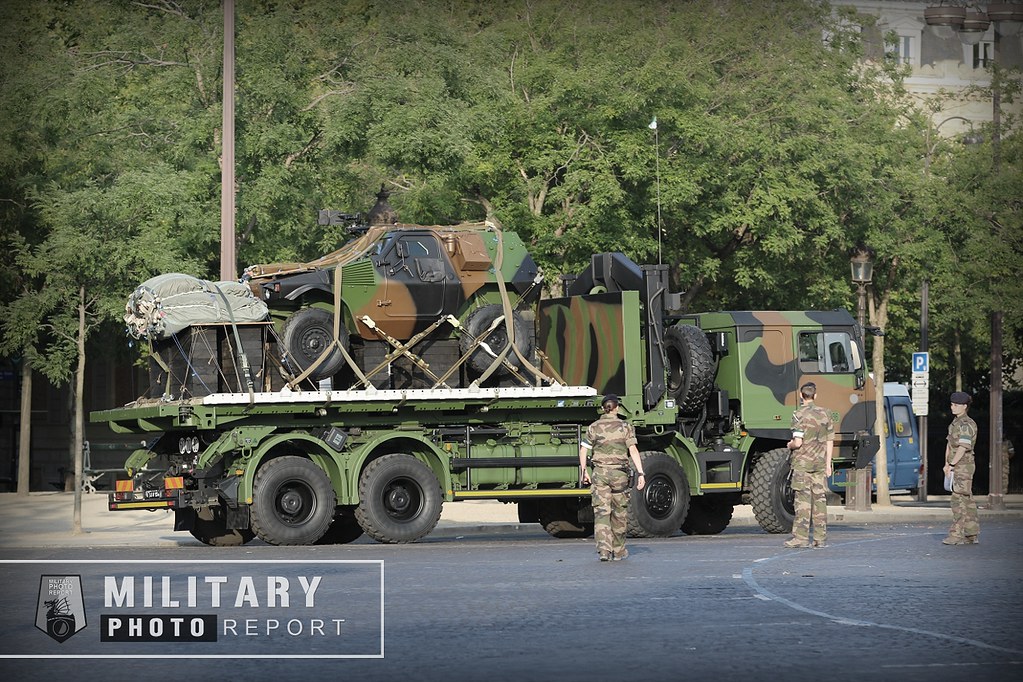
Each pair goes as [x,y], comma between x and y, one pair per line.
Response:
[920,362]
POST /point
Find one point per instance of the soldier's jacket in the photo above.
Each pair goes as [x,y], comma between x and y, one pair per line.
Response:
[610,439]
[813,424]
[962,432]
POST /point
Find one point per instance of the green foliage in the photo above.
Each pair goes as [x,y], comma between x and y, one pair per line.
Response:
[775,151]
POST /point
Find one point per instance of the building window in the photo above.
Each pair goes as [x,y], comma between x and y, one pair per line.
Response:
[982,55]
[900,48]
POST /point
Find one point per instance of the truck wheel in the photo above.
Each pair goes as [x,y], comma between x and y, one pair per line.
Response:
[658,509]
[707,515]
[478,322]
[292,502]
[399,499]
[690,366]
[307,333]
[771,492]
[210,528]
[560,517]
[343,529]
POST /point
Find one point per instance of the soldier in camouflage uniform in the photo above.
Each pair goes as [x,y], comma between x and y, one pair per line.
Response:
[609,443]
[962,437]
[812,444]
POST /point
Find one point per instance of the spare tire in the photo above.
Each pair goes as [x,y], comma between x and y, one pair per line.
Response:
[307,333]
[690,366]
[478,322]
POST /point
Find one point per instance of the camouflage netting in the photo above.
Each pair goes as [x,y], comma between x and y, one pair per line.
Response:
[166,304]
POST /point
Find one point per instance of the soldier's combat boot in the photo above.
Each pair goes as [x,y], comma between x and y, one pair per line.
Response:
[605,556]
[953,540]
[618,556]
[819,544]
[972,540]
[795,543]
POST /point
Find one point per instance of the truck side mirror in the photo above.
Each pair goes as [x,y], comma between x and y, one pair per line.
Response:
[860,378]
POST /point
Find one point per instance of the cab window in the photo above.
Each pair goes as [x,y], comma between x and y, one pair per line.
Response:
[825,352]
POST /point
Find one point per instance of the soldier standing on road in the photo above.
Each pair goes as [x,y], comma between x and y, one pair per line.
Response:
[813,441]
[962,437]
[1007,454]
[612,441]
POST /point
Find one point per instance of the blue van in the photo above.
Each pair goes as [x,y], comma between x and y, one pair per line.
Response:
[902,443]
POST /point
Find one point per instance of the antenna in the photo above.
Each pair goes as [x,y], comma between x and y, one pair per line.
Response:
[657,173]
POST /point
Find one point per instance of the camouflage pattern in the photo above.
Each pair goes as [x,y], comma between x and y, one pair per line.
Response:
[771,360]
[609,439]
[405,277]
[813,425]
[610,490]
[962,432]
[810,505]
[585,340]
[1008,451]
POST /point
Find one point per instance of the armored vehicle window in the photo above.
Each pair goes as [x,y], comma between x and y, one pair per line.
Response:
[827,352]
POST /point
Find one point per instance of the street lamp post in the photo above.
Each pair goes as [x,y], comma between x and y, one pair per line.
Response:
[858,491]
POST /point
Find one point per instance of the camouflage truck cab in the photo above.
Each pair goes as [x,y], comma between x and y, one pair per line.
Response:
[759,361]
[439,286]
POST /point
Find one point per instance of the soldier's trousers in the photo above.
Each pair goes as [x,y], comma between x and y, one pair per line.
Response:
[610,490]
[811,505]
[965,523]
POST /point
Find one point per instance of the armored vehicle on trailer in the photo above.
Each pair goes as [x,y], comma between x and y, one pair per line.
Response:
[709,394]
[397,282]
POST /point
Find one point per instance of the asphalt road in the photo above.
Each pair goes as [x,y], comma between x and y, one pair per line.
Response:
[880,603]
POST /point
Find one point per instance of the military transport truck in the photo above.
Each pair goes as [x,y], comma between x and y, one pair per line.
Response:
[710,396]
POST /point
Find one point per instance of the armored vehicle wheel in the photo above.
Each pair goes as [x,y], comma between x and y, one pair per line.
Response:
[292,501]
[343,529]
[478,322]
[399,499]
[708,515]
[771,493]
[690,366]
[210,528]
[564,517]
[658,509]
[307,334]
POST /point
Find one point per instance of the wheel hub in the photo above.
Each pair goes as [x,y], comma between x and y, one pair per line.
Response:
[660,498]
[291,502]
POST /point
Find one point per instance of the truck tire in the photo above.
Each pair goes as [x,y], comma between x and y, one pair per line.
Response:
[771,492]
[307,333]
[399,499]
[659,508]
[690,366]
[343,529]
[292,501]
[708,515]
[478,322]
[561,517]
[210,528]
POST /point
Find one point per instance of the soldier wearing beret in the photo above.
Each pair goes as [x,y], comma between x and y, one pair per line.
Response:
[610,442]
[962,437]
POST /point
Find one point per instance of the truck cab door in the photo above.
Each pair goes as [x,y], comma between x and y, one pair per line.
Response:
[829,358]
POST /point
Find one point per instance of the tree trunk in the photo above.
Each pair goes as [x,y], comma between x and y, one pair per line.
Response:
[879,318]
[76,526]
[25,430]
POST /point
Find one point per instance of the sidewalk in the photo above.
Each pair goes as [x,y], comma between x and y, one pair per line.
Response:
[44,519]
